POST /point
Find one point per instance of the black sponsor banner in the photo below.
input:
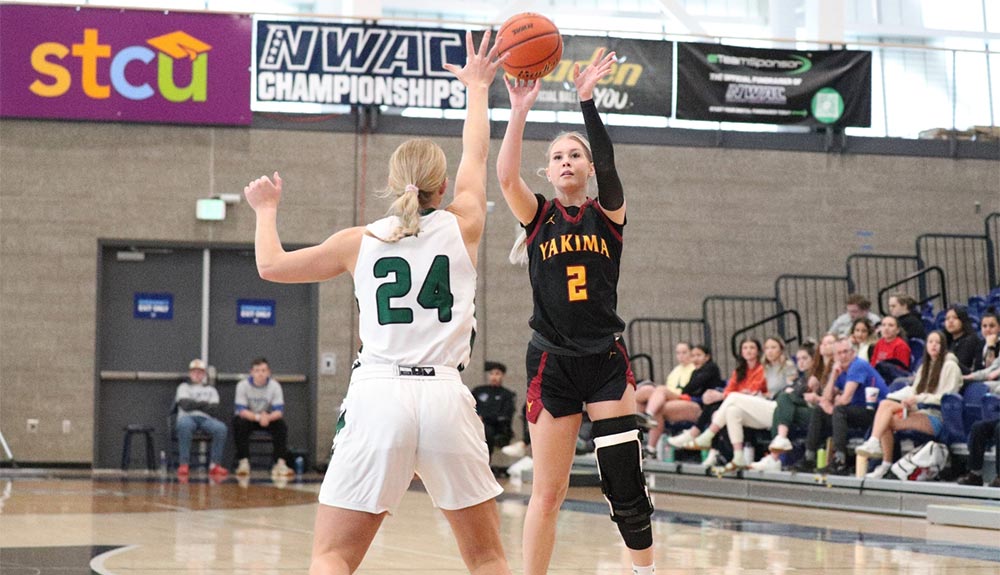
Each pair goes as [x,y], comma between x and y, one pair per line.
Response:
[315,65]
[809,88]
[639,83]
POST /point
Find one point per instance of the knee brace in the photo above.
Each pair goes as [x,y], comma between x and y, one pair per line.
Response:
[619,464]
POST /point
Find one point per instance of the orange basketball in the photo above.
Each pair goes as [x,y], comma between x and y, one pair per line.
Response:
[534,43]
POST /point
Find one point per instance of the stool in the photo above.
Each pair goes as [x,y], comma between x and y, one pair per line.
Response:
[261,448]
[130,430]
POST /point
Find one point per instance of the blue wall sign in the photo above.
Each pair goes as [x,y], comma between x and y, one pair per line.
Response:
[255,311]
[153,306]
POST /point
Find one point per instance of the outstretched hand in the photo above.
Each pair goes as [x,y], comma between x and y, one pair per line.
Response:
[587,78]
[263,193]
[523,93]
[480,65]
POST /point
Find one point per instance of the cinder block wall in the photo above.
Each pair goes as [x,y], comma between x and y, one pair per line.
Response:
[701,221]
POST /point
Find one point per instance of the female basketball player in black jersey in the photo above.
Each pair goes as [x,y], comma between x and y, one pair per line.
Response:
[575,356]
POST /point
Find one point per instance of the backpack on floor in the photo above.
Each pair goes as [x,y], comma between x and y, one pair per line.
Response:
[923,463]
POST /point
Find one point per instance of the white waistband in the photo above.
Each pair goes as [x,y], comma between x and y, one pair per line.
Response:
[417,372]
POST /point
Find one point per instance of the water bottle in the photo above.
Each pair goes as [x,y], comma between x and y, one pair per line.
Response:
[300,465]
[821,458]
[664,451]
[163,462]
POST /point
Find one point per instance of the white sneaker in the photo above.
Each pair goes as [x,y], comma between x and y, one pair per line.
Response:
[517,449]
[766,463]
[281,469]
[517,470]
[244,467]
[711,459]
[780,443]
[681,439]
[880,471]
[871,448]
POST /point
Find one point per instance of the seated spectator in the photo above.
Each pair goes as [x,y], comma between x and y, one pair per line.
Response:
[665,405]
[857,307]
[917,407]
[198,409]
[862,336]
[891,354]
[982,435]
[747,395]
[495,406]
[904,309]
[961,338]
[841,408]
[678,377]
[260,406]
[795,403]
[989,328]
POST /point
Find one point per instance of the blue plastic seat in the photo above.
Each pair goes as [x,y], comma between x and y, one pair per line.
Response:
[953,415]
[977,305]
[991,407]
[973,399]
[916,353]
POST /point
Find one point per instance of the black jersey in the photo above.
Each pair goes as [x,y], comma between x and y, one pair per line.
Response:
[573,262]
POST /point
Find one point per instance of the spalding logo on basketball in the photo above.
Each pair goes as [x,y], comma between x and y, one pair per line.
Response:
[534,44]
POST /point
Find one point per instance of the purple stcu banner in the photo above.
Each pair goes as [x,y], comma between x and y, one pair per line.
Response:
[124,65]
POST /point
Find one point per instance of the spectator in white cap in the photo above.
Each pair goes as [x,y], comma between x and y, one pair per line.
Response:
[197,408]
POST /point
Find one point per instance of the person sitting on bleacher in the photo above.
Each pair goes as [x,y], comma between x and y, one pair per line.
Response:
[857,306]
[842,408]
[666,406]
[891,354]
[916,407]
[795,404]
[961,338]
[989,328]
[863,336]
[983,433]
[678,377]
[903,308]
[747,378]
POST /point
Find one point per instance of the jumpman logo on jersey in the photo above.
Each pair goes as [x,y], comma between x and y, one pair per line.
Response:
[611,353]
[551,220]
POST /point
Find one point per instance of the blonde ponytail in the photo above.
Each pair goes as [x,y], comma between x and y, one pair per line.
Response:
[519,252]
[417,170]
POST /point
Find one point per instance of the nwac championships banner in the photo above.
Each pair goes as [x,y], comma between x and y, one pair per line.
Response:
[810,88]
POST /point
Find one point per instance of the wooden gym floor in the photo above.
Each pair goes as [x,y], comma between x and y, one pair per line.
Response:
[69,523]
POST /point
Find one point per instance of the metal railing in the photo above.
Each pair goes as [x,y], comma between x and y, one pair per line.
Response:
[867,273]
[764,329]
[642,367]
[993,247]
[964,259]
[724,315]
[929,283]
[656,338]
[819,299]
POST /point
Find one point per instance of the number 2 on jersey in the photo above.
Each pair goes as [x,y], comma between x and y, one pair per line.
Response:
[576,282]
[435,292]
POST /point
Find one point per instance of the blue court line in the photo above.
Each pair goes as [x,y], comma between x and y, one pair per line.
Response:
[827,535]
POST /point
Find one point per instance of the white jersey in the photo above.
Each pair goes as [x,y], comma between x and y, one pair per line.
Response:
[416,296]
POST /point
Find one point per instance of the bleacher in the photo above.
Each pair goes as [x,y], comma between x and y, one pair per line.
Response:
[946,269]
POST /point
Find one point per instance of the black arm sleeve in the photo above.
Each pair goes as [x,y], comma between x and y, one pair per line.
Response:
[609,187]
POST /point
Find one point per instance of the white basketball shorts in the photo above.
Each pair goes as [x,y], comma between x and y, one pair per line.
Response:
[397,424]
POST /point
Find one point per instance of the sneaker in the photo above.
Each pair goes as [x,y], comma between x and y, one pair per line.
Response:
[183,470]
[970,478]
[880,471]
[244,467]
[681,439]
[780,443]
[517,449]
[711,459]
[646,421]
[838,468]
[995,482]
[871,448]
[766,463]
[217,471]
[281,469]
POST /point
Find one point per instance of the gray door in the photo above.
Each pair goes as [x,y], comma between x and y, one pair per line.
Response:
[150,327]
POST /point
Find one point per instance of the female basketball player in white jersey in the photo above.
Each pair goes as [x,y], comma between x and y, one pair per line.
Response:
[406,409]
[575,356]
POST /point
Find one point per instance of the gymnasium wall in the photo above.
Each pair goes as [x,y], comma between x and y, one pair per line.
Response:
[701,221]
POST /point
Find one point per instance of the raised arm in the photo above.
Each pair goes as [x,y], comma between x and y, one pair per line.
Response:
[610,193]
[515,191]
[469,204]
[332,257]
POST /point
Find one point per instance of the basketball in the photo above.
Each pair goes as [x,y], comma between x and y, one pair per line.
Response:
[534,43]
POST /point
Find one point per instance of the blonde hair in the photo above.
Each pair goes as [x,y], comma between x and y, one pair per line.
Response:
[420,163]
[519,252]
